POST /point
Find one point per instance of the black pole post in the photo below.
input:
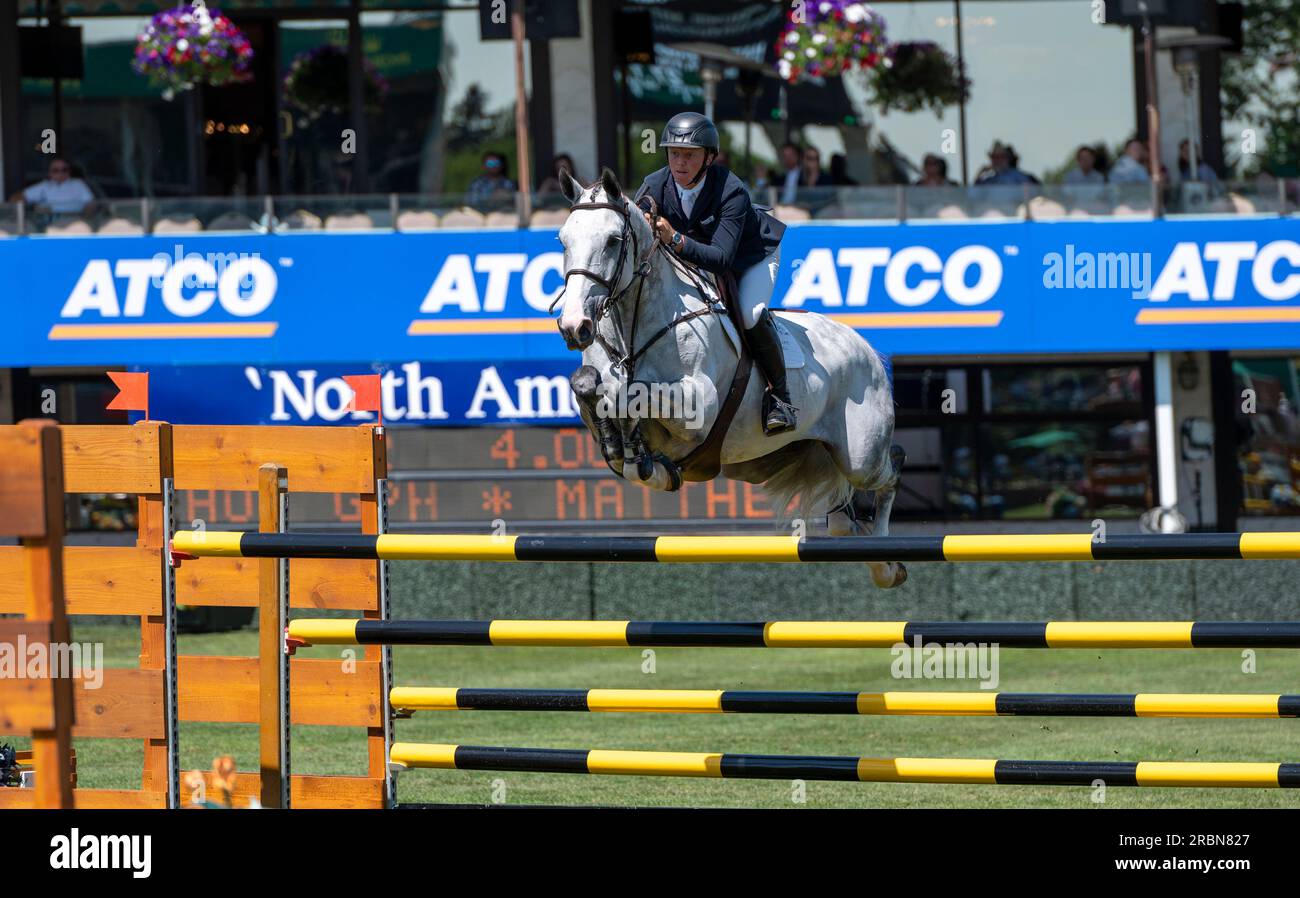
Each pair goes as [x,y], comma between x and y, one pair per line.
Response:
[961,107]
[360,182]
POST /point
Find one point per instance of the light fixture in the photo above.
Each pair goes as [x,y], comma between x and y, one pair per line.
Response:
[1186,52]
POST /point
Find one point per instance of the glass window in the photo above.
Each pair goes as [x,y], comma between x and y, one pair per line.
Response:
[1019,390]
[1030,441]
[1017,54]
[1268,445]
[120,135]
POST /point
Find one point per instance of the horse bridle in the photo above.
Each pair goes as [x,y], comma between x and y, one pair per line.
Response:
[612,295]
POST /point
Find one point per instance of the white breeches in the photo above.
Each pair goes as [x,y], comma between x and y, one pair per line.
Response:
[756,286]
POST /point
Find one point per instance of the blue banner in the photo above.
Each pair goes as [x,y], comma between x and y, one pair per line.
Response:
[482,296]
[414,393]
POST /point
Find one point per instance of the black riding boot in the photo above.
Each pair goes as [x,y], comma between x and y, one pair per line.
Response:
[765,344]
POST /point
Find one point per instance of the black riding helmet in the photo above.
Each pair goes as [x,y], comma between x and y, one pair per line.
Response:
[692,130]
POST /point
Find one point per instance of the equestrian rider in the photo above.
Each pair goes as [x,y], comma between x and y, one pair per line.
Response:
[706,217]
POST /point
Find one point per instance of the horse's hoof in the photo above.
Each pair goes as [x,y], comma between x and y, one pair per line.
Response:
[645,467]
[897,578]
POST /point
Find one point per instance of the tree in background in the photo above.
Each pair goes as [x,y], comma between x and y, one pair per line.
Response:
[473,130]
[1262,88]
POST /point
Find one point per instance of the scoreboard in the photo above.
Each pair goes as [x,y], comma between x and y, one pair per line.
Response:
[467,478]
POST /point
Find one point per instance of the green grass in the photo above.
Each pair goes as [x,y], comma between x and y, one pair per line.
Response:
[327,750]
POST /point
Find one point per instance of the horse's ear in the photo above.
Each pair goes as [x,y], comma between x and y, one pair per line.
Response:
[569,186]
[610,182]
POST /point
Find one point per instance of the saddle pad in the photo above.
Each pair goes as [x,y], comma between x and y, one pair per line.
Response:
[789,345]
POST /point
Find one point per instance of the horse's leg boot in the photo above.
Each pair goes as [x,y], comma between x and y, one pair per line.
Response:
[586,387]
[765,343]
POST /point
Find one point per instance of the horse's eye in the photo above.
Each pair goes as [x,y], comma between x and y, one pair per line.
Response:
[611,241]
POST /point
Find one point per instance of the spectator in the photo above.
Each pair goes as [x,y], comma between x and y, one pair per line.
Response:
[1003,167]
[791,153]
[491,189]
[761,177]
[811,174]
[61,193]
[840,171]
[1085,168]
[562,162]
[1131,167]
[934,172]
[1204,173]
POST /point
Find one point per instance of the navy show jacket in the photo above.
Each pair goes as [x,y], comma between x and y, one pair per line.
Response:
[724,232]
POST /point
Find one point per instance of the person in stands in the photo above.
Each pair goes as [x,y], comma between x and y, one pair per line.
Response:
[60,192]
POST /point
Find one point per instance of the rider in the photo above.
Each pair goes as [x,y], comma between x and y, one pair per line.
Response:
[706,217]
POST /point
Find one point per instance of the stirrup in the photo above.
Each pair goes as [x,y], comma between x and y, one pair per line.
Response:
[778,415]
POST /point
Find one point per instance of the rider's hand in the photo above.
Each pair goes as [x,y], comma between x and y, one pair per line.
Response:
[663,231]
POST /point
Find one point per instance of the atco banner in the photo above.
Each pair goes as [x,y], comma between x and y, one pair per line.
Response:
[482,296]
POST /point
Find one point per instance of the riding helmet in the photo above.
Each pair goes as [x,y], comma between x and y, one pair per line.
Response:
[690,129]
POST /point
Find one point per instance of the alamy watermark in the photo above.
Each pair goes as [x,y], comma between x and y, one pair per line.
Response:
[657,401]
[946,661]
[1085,270]
[23,660]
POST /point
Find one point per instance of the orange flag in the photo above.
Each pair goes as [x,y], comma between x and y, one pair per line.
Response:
[133,392]
[366,394]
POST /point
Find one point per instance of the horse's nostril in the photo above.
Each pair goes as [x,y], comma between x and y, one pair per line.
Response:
[584,332]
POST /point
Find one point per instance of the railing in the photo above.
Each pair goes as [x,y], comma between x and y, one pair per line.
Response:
[423,212]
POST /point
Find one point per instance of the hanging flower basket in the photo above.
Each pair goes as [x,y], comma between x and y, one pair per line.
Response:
[915,75]
[191,45]
[824,38]
[317,82]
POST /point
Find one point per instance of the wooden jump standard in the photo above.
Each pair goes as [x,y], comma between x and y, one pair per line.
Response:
[31,508]
[151,460]
[697,549]
[408,699]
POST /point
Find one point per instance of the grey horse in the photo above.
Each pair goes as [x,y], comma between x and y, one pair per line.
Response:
[629,303]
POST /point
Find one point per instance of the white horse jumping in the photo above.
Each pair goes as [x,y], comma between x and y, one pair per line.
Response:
[640,316]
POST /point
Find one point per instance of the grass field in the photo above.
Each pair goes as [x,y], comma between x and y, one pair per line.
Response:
[322,750]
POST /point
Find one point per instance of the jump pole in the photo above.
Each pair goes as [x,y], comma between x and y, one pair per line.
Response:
[798,634]
[407,699]
[848,769]
[726,549]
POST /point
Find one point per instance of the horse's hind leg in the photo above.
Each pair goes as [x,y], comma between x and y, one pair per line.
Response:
[866,513]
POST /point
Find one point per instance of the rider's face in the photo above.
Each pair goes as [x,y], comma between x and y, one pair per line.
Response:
[685,163]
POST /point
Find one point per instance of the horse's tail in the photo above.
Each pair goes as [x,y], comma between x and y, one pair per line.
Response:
[811,474]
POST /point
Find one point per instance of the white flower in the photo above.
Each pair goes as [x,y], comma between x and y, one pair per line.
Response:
[855,13]
[819,38]
[182,44]
[810,53]
[824,8]
[783,68]
[788,54]
[792,38]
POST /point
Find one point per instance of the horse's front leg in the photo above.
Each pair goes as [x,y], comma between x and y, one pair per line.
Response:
[622,442]
[607,430]
[666,420]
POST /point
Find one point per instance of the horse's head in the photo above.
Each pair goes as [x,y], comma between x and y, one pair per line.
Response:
[605,239]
